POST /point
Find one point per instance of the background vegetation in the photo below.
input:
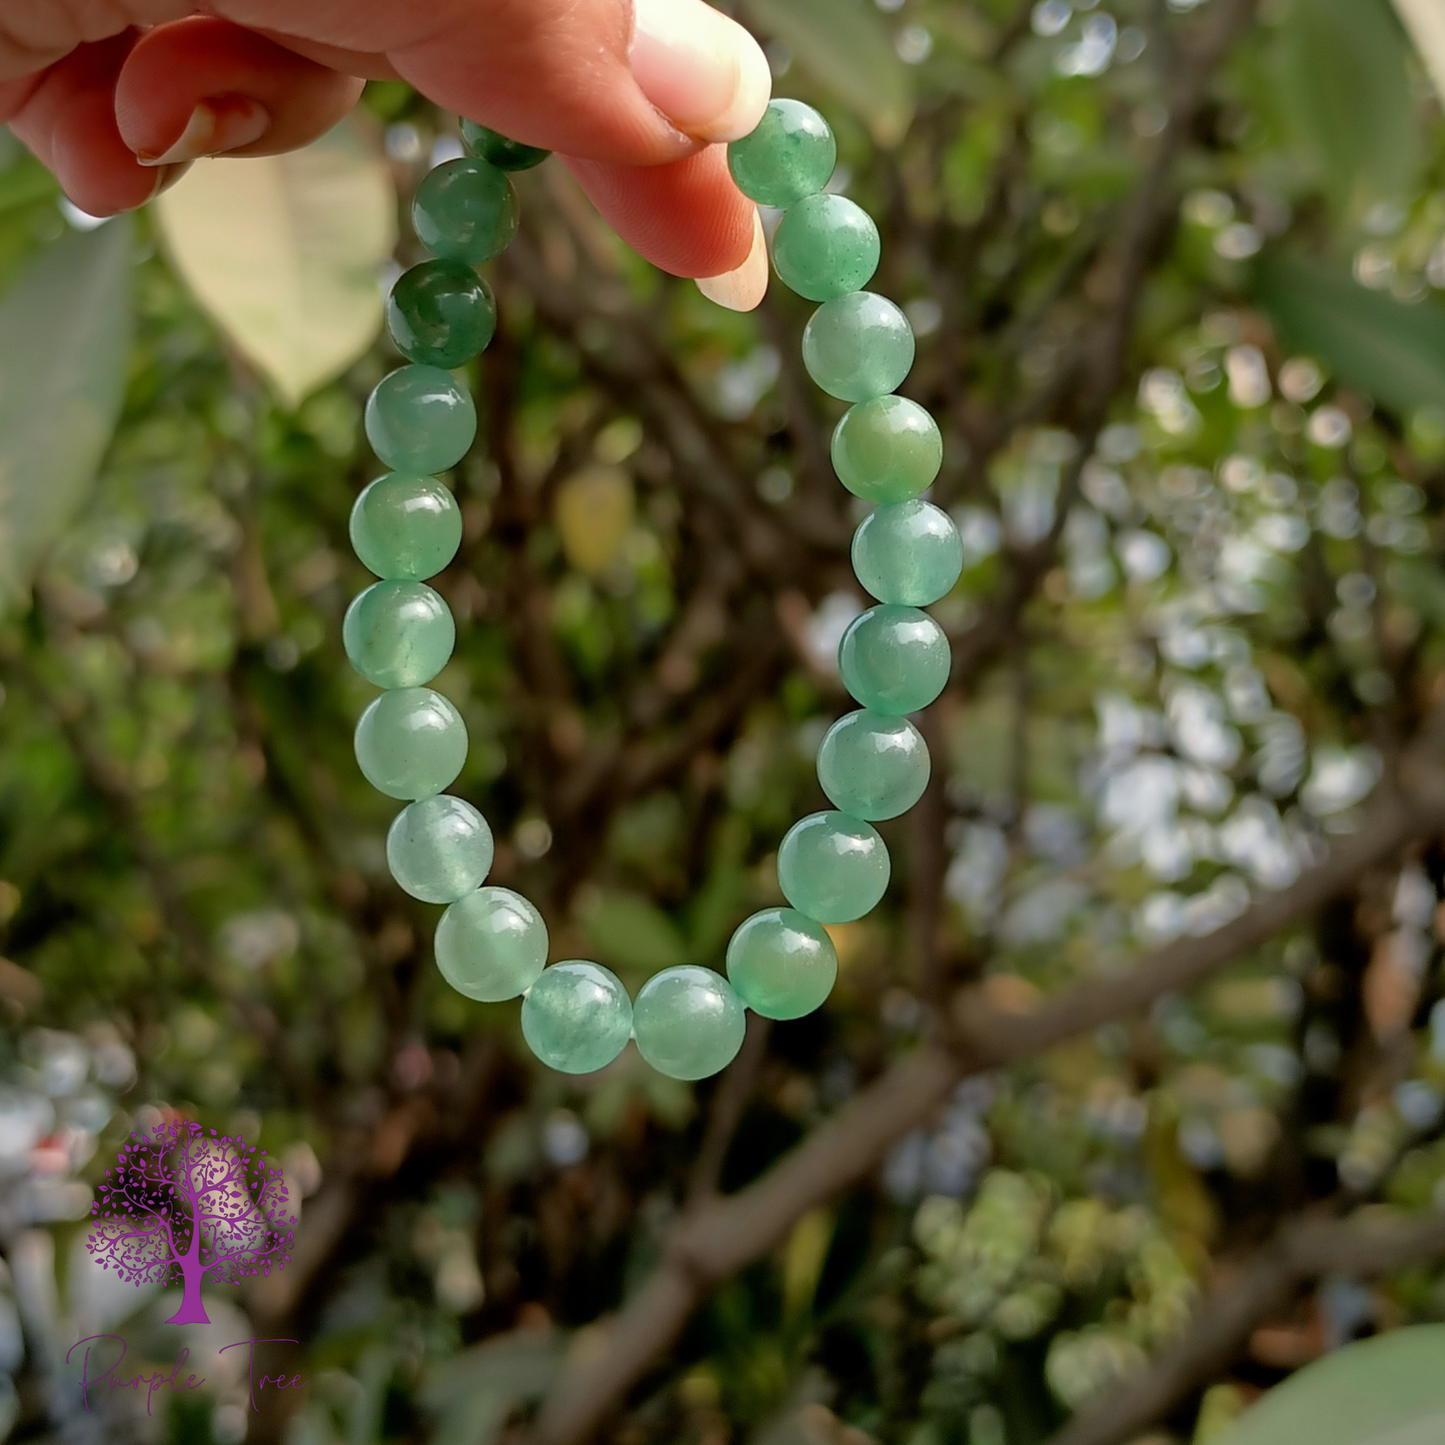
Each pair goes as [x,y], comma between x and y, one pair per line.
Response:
[1129,1099]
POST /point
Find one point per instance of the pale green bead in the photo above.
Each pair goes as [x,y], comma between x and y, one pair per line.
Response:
[406,529]
[411,743]
[420,420]
[688,1022]
[910,553]
[782,964]
[398,634]
[577,1017]
[465,210]
[894,659]
[439,849]
[873,766]
[887,450]
[491,945]
[790,154]
[825,246]
[832,867]
[858,346]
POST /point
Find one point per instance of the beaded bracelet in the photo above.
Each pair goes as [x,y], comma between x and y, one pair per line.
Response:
[491,943]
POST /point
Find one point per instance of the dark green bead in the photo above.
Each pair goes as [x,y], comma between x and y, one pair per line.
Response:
[577,1017]
[832,867]
[826,246]
[406,528]
[872,766]
[688,1022]
[791,154]
[858,346]
[441,313]
[398,634]
[894,659]
[411,743]
[910,553]
[465,210]
[887,450]
[420,420]
[440,849]
[506,155]
[782,964]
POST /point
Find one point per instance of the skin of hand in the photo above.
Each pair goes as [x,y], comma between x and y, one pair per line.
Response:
[638,97]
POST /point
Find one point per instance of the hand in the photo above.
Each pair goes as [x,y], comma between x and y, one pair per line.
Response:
[117,98]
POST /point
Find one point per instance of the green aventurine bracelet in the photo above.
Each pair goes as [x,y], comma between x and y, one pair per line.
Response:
[411,742]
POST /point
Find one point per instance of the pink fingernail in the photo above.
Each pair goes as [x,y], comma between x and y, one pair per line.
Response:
[219,124]
[742,288]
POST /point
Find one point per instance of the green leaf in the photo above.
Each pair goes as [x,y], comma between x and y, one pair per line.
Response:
[847,46]
[1389,1390]
[1387,349]
[64,338]
[628,932]
[1346,86]
[285,251]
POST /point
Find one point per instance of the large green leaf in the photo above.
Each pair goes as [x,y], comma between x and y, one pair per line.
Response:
[1388,349]
[847,46]
[1389,1390]
[1346,87]
[285,253]
[64,336]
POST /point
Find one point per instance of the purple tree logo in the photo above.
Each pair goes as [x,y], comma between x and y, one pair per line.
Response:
[190,1205]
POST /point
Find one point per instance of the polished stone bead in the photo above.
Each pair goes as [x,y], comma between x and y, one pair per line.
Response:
[465,210]
[406,529]
[439,849]
[398,634]
[411,743]
[858,346]
[441,313]
[491,945]
[688,1022]
[577,1017]
[894,659]
[873,766]
[826,246]
[420,420]
[887,450]
[910,553]
[782,964]
[505,154]
[832,867]
[791,154]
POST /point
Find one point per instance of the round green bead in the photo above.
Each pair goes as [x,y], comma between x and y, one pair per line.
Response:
[441,313]
[411,743]
[420,419]
[577,1017]
[439,849]
[688,1022]
[873,766]
[465,210]
[406,529]
[491,945]
[505,154]
[858,346]
[826,246]
[781,964]
[887,450]
[790,154]
[909,553]
[398,634]
[832,867]
[894,659]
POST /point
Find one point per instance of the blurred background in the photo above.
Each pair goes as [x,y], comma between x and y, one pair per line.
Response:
[1175,267]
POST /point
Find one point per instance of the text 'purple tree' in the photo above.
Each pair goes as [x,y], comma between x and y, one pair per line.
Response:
[188,1205]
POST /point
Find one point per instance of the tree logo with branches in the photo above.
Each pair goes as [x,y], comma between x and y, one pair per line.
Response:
[191,1206]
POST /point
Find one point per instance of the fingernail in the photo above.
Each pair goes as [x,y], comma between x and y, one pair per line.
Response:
[220,123]
[703,71]
[742,288]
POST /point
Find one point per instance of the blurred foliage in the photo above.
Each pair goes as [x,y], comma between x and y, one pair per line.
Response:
[1237,625]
